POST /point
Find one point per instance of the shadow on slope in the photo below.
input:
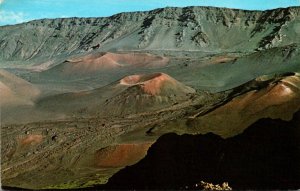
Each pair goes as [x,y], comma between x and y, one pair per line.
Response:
[264,156]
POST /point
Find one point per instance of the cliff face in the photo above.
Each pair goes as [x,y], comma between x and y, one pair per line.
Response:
[190,28]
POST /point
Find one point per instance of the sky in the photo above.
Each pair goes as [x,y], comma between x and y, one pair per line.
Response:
[18,11]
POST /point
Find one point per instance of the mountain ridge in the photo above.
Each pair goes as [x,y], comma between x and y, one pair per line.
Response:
[188,28]
[153,10]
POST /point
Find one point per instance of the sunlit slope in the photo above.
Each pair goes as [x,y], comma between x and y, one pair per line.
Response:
[15,91]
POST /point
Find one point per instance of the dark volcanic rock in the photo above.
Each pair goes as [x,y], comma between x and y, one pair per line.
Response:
[265,156]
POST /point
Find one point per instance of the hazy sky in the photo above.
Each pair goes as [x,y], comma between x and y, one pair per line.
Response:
[17,11]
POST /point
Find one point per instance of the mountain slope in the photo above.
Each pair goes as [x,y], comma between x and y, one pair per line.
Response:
[103,62]
[190,28]
[270,99]
[15,91]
